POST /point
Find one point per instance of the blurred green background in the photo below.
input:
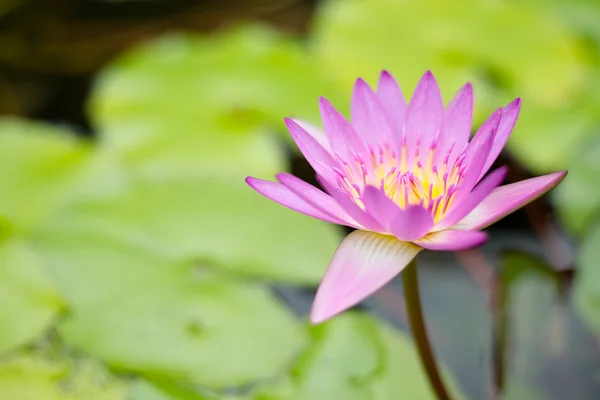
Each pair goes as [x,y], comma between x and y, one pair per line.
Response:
[135,263]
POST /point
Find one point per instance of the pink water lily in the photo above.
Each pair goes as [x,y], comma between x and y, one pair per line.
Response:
[406,176]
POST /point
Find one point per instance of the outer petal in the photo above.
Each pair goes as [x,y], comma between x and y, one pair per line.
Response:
[456,128]
[318,199]
[510,113]
[284,196]
[344,142]
[506,199]
[406,224]
[319,158]
[392,99]
[317,133]
[452,240]
[423,116]
[476,153]
[363,263]
[481,191]
[369,119]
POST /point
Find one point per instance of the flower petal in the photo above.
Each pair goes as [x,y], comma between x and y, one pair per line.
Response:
[319,158]
[317,198]
[284,196]
[406,224]
[456,128]
[344,142]
[369,119]
[348,204]
[506,199]
[452,240]
[476,154]
[392,99]
[481,191]
[317,133]
[510,113]
[423,116]
[363,263]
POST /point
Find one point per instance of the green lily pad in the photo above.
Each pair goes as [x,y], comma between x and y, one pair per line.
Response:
[578,197]
[174,320]
[219,220]
[29,300]
[206,104]
[586,291]
[146,390]
[488,43]
[40,165]
[34,378]
[355,357]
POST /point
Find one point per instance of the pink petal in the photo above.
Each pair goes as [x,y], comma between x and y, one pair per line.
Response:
[510,113]
[423,116]
[481,191]
[363,263]
[456,129]
[393,102]
[284,196]
[344,142]
[451,240]
[369,119]
[317,133]
[476,153]
[506,199]
[320,200]
[342,198]
[406,224]
[319,158]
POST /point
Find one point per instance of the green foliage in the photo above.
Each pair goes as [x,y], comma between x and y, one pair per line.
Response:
[587,287]
[355,357]
[28,297]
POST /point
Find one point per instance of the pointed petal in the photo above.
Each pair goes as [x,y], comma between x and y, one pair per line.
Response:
[406,224]
[369,119]
[423,116]
[319,158]
[393,102]
[456,129]
[510,113]
[284,196]
[317,198]
[506,199]
[363,263]
[476,153]
[344,142]
[481,191]
[317,133]
[363,218]
[451,240]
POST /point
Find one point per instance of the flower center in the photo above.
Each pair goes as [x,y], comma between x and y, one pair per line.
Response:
[422,183]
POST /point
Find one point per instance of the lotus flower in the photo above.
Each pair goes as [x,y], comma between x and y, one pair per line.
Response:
[406,176]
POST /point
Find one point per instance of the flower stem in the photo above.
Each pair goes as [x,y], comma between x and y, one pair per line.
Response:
[410,281]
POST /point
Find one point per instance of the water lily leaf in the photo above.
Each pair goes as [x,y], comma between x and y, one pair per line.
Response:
[40,164]
[224,91]
[219,220]
[146,390]
[31,377]
[488,43]
[586,291]
[578,198]
[29,300]
[382,365]
[173,320]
